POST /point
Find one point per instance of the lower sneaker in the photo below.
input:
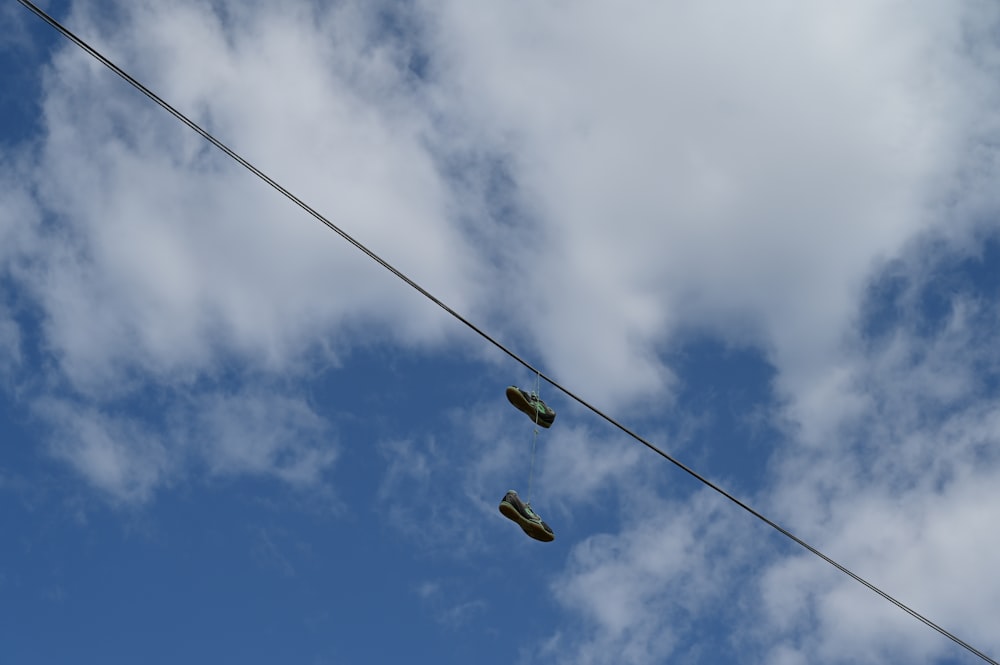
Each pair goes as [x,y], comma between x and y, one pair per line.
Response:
[530,405]
[518,511]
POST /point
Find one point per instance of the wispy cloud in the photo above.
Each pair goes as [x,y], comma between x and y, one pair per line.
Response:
[118,455]
[450,606]
[643,591]
[262,434]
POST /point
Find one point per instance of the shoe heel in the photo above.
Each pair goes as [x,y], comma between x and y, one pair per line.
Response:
[509,512]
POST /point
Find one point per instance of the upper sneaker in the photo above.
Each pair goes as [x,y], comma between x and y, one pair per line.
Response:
[514,509]
[532,406]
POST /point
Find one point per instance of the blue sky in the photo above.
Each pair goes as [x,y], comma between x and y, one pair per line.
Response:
[766,238]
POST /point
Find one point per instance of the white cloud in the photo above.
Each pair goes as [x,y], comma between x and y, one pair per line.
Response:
[152,259]
[170,257]
[130,458]
[117,455]
[928,549]
[262,434]
[670,169]
[740,169]
[905,493]
[574,464]
[642,591]
[10,343]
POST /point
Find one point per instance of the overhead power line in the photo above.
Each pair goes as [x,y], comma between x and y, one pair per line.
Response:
[385,264]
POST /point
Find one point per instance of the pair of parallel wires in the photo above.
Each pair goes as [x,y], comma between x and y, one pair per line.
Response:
[385,264]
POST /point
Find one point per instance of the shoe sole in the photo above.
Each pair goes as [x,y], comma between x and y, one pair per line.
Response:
[530,528]
[515,397]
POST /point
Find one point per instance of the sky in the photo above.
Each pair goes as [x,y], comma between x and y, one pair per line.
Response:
[765,236]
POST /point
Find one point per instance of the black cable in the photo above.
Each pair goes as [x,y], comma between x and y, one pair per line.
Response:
[385,264]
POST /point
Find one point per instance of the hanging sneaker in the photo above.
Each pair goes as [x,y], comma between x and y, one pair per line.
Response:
[518,511]
[530,405]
